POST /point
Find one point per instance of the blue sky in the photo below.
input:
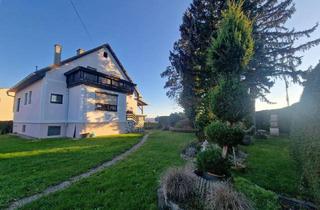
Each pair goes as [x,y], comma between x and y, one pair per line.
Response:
[141,32]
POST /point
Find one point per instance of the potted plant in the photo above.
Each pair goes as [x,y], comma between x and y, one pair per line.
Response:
[211,165]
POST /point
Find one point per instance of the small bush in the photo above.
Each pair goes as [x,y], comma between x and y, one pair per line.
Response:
[211,161]
[178,185]
[262,199]
[6,127]
[223,197]
[223,134]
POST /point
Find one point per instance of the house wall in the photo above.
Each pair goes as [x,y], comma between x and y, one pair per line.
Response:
[77,113]
[83,118]
[29,113]
[132,104]
[38,130]
[6,106]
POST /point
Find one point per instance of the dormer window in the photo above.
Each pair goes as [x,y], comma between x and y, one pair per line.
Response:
[105,54]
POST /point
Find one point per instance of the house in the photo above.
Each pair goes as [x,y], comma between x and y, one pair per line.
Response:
[89,93]
[6,105]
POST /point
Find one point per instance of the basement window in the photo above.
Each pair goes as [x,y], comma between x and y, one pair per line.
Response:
[54,130]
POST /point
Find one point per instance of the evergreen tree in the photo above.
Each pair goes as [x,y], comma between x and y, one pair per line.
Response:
[275,50]
[228,57]
[232,49]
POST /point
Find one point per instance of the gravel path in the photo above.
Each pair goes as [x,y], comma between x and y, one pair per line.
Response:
[63,185]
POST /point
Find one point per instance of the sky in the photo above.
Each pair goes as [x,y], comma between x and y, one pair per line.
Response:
[141,32]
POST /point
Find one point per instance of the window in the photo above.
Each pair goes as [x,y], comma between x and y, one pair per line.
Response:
[104,81]
[18,104]
[105,54]
[23,128]
[56,98]
[54,130]
[90,77]
[115,83]
[30,95]
[106,102]
[25,98]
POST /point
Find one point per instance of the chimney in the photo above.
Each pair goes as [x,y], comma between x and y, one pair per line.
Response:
[80,51]
[57,54]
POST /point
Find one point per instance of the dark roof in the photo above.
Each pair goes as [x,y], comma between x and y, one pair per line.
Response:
[141,102]
[38,75]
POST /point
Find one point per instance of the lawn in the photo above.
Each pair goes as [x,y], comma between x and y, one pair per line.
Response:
[130,184]
[29,166]
[271,166]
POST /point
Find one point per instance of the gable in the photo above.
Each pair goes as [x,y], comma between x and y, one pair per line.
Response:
[94,58]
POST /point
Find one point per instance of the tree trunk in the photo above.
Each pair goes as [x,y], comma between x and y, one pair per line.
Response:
[224,151]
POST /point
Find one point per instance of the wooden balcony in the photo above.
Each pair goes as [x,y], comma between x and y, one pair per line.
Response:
[131,116]
[87,76]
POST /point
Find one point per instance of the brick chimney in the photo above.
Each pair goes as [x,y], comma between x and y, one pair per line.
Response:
[57,54]
[80,51]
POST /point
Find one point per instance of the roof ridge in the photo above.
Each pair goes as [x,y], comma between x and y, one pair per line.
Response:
[39,74]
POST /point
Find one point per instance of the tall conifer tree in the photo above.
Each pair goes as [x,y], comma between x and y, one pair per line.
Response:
[275,50]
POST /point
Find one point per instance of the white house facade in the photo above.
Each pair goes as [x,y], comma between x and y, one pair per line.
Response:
[90,93]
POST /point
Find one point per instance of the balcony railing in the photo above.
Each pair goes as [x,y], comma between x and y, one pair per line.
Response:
[131,116]
[81,75]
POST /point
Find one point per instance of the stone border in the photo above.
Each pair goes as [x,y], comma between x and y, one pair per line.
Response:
[65,184]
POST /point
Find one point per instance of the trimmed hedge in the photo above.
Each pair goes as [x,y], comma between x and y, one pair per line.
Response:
[223,134]
[6,127]
[151,125]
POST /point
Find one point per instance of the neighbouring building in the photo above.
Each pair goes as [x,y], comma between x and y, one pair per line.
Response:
[89,93]
[6,105]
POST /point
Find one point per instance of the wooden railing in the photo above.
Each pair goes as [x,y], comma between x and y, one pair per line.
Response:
[131,116]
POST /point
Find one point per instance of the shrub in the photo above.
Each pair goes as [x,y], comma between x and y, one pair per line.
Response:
[219,132]
[223,197]
[151,125]
[178,185]
[305,134]
[211,161]
[230,100]
[184,124]
[203,118]
[6,127]
[261,198]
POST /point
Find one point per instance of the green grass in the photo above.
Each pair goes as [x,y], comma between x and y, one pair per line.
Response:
[271,166]
[29,166]
[261,198]
[130,184]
